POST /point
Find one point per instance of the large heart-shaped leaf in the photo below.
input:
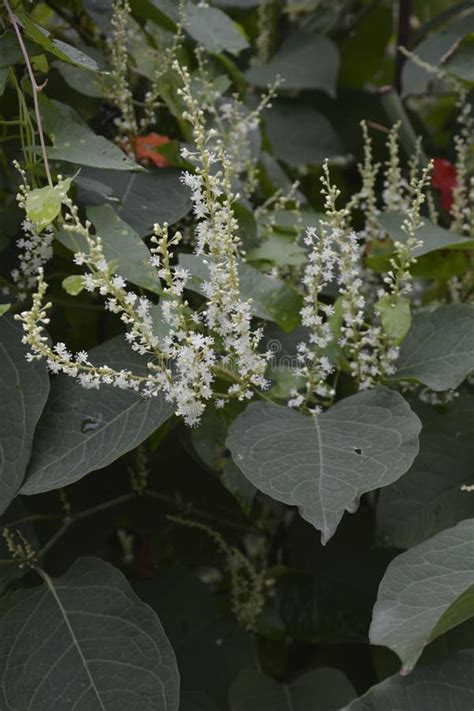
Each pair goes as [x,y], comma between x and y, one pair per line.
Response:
[304,61]
[442,687]
[89,643]
[74,142]
[83,430]
[122,245]
[425,592]
[324,463]
[429,498]
[24,389]
[145,198]
[439,348]
[323,689]
[213,29]
[314,141]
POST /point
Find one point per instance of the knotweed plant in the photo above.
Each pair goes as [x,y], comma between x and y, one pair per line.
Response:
[245,348]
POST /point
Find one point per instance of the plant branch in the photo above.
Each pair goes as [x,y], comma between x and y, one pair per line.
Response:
[36,88]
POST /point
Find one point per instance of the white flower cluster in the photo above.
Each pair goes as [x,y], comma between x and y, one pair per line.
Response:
[319,272]
[35,250]
[231,125]
[463,193]
[395,186]
[336,256]
[398,279]
[35,247]
[218,341]
[226,314]
[120,92]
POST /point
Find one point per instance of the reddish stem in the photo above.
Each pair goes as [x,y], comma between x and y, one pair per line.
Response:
[35,87]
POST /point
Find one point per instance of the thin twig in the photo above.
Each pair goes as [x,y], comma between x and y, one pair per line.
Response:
[36,88]
[198,512]
[80,516]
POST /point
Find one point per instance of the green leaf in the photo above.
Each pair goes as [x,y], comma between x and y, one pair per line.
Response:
[214,30]
[324,463]
[10,52]
[4,308]
[137,193]
[121,245]
[428,498]
[314,141]
[419,587]
[73,284]
[432,50]
[432,236]
[61,50]
[460,62]
[304,61]
[84,430]
[24,389]
[446,686]
[323,689]
[92,84]
[43,205]
[439,348]
[271,299]
[278,249]
[395,317]
[364,51]
[89,643]
[74,142]
[210,646]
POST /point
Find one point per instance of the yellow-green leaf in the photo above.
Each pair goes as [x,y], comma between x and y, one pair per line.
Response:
[73,284]
[44,204]
[395,316]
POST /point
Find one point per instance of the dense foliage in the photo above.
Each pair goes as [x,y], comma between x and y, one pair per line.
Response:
[236,355]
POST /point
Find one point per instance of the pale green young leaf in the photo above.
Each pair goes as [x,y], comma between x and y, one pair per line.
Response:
[395,316]
[4,308]
[324,463]
[73,284]
[419,588]
[43,205]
